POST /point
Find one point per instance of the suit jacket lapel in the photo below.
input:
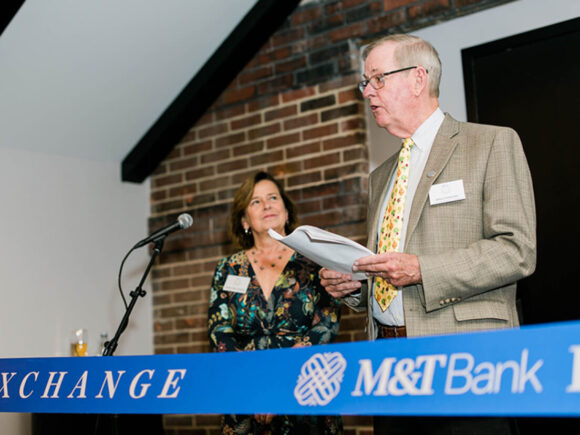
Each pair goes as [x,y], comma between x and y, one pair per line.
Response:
[443,146]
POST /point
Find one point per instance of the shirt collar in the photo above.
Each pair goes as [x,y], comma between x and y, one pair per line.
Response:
[425,134]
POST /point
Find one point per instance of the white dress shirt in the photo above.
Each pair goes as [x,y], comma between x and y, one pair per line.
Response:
[423,139]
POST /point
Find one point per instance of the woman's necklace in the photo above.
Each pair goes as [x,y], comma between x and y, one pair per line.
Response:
[273,263]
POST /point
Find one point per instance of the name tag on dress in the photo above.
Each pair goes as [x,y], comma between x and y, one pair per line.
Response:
[237,284]
[446,192]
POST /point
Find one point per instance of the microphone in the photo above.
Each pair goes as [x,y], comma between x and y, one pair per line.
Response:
[183,221]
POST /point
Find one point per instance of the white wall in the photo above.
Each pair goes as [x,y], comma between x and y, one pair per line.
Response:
[93,63]
[451,37]
[66,225]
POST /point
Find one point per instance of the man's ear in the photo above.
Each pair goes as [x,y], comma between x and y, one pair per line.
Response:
[421,80]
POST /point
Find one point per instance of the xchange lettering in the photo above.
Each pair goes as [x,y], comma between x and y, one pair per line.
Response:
[51,386]
[414,377]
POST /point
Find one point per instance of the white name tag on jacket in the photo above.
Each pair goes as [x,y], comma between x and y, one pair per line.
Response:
[237,284]
[446,192]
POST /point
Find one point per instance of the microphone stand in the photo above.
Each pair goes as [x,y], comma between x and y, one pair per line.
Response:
[111,345]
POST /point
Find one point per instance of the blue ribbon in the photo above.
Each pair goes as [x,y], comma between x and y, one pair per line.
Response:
[531,371]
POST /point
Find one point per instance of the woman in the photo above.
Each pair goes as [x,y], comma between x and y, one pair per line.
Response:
[283,304]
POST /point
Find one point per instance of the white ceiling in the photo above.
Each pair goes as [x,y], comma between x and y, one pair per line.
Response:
[87,79]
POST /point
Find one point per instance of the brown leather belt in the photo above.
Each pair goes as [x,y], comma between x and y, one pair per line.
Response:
[391,331]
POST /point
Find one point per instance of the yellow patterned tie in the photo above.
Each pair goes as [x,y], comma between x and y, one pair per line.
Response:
[393,223]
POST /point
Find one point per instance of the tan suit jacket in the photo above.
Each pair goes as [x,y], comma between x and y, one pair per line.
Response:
[471,251]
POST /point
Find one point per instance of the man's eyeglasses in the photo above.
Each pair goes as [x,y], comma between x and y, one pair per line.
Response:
[378,80]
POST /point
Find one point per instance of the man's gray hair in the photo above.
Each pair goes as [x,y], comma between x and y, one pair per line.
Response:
[410,51]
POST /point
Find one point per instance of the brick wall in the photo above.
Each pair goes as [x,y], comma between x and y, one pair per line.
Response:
[293,111]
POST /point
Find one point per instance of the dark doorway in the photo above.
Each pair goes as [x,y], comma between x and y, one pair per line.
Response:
[531,82]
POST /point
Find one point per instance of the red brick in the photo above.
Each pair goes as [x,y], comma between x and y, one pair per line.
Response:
[277,84]
[286,139]
[190,322]
[239,94]
[282,169]
[324,160]
[322,190]
[212,183]
[298,94]
[197,147]
[266,130]
[255,75]
[389,5]
[291,65]
[186,190]
[380,24]
[356,123]
[312,177]
[215,156]
[302,121]
[232,139]
[356,154]
[341,82]
[166,207]
[264,158]
[352,31]
[347,4]
[163,325]
[291,35]
[234,165]
[274,55]
[317,132]
[213,130]
[159,195]
[230,112]
[182,337]
[305,16]
[187,269]
[262,103]
[325,219]
[349,95]
[283,112]
[308,207]
[246,122]
[206,171]
[343,141]
[303,150]
[175,284]
[428,8]
[183,164]
[167,180]
[248,148]
[342,171]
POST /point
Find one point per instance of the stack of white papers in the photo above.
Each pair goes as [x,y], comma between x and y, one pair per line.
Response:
[325,248]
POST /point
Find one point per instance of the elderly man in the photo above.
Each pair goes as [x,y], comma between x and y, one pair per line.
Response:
[451,217]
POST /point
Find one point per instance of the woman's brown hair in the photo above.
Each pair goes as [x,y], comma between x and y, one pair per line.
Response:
[242,199]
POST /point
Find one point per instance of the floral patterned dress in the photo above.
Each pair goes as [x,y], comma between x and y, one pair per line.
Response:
[298,311]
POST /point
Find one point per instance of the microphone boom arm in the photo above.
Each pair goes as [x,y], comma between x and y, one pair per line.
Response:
[111,345]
